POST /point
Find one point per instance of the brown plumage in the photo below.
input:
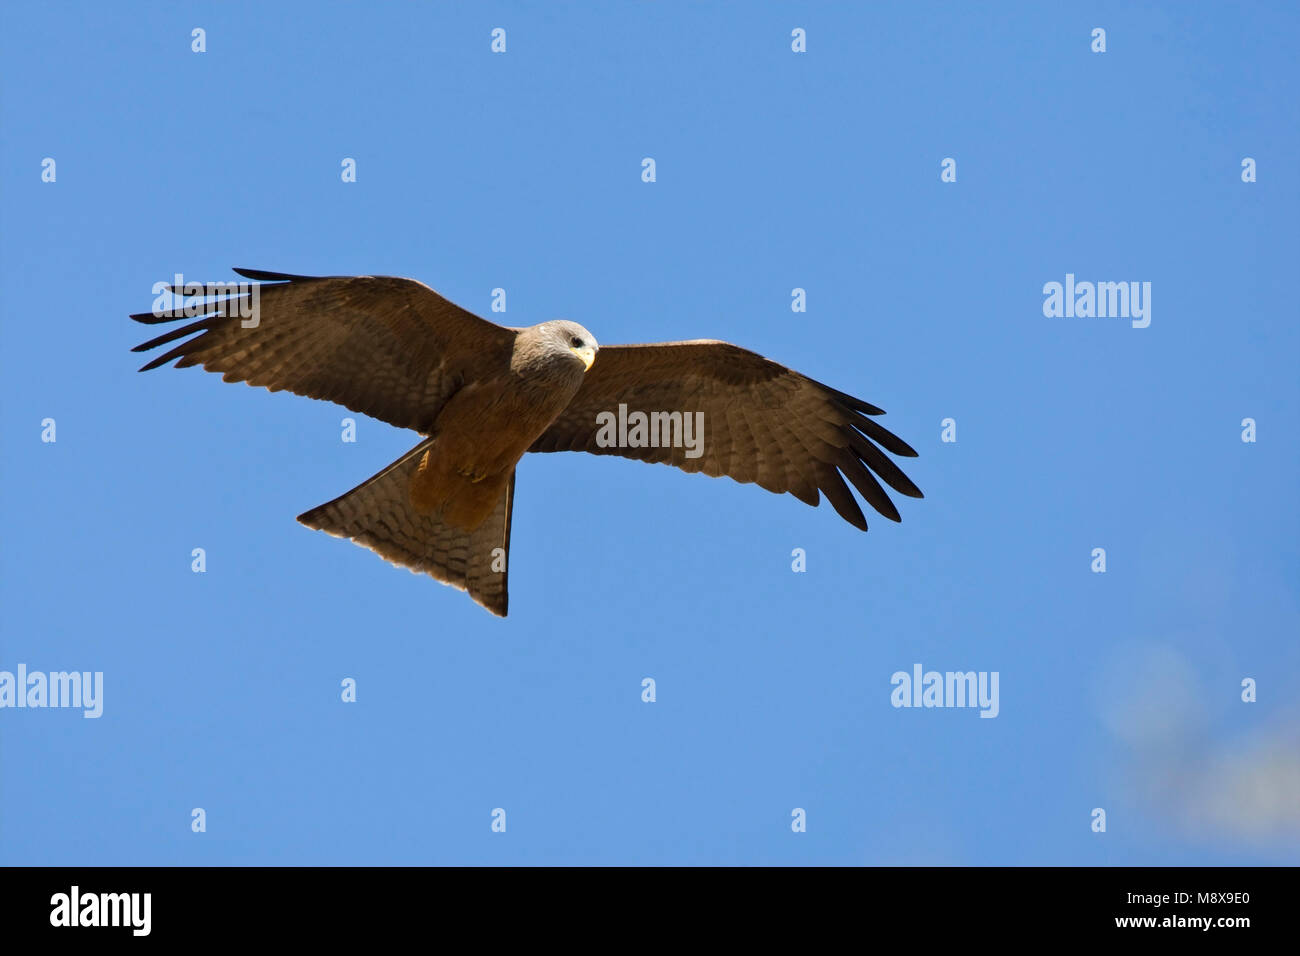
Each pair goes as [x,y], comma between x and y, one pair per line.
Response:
[483,395]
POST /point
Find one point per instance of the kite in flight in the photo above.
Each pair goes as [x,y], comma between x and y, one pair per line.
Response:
[482,395]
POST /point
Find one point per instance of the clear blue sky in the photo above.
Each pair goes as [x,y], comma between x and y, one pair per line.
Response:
[775,170]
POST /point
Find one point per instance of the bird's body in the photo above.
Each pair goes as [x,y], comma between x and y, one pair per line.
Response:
[483,396]
[462,476]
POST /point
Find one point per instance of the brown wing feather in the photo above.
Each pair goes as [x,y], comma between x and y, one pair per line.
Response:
[382,346]
[763,423]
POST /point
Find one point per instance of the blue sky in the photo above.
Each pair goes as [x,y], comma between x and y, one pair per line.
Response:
[775,170]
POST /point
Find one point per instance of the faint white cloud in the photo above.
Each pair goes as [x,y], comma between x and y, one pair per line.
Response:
[1244,788]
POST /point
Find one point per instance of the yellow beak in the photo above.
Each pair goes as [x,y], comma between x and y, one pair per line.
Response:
[586,353]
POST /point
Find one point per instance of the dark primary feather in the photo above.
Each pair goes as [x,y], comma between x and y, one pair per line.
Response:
[763,422]
[263,275]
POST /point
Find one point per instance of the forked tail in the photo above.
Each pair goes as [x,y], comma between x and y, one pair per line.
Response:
[379,515]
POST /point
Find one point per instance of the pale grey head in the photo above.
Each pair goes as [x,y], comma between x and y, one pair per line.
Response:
[555,349]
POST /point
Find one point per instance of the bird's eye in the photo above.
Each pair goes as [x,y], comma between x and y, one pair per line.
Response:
[577,342]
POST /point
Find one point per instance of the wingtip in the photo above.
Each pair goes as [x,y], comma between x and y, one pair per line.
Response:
[899,447]
[265,275]
[161,360]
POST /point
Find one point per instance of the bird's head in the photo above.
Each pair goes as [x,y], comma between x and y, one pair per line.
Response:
[573,338]
[555,351]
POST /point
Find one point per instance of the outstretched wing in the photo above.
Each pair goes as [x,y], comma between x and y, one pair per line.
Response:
[762,422]
[386,347]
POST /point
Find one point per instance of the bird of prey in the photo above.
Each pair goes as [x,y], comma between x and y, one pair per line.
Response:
[481,395]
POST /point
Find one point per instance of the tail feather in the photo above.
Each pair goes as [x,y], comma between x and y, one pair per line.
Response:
[378,514]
